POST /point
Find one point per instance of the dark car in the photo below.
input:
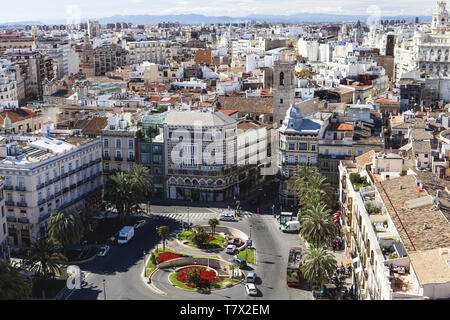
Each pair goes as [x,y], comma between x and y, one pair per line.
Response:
[240,262]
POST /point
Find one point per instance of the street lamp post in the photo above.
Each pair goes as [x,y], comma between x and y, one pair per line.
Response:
[281,211]
[104,290]
[189,222]
[246,248]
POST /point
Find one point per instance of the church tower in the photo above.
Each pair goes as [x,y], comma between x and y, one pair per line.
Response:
[283,88]
[440,20]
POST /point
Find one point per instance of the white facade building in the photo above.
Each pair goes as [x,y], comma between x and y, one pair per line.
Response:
[43,174]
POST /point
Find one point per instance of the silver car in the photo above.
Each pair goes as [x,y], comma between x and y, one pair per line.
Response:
[103,251]
[251,289]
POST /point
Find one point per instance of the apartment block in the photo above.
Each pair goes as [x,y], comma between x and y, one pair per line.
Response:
[43,174]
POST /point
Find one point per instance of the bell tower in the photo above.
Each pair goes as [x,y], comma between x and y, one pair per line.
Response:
[283,88]
[440,20]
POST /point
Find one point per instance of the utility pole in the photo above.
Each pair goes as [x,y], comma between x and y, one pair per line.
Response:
[104,290]
[246,248]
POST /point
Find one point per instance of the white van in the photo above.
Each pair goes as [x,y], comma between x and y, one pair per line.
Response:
[231,249]
[291,226]
[125,235]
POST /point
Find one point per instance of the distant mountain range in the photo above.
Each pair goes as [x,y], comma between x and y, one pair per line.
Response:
[202,19]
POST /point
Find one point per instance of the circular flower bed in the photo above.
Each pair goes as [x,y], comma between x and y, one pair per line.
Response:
[166,256]
[197,277]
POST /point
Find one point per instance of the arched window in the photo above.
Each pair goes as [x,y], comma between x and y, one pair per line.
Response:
[281,78]
[180,181]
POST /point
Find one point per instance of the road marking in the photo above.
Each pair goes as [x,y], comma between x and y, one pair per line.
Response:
[87,274]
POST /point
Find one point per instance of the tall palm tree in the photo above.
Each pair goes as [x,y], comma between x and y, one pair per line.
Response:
[141,178]
[65,227]
[45,258]
[119,193]
[318,265]
[140,182]
[163,232]
[301,176]
[316,225]
[299,182]
[13,285]
[319,189]
[213,223]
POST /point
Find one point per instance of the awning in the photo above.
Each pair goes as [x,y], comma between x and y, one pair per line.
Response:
[346,261]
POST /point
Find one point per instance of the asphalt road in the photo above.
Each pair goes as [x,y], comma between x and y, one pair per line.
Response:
[122,267]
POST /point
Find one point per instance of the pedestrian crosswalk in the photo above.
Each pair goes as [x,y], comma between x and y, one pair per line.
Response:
[193,216]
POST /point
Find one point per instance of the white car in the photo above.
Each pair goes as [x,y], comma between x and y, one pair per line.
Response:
[227,217]
[139,224]
[103,251]
[251,289]
[231,249]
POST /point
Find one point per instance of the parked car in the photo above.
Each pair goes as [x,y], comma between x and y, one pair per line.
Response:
[240,262]
[103,251]
[227,217]
[235,241]
[231,249]
[251,277]
[251,289]
[139,224]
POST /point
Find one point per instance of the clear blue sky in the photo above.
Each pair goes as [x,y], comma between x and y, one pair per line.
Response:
[45,10]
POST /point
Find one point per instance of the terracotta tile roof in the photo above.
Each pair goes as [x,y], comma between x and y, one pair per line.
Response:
[95,125]
[16,115]
[247,105]
[228,112]
[341,127]
[410,222]
[364,159]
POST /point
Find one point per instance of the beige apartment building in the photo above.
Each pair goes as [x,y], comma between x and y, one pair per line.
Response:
[119,143]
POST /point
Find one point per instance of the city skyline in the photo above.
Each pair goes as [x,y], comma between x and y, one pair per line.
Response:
[68,10]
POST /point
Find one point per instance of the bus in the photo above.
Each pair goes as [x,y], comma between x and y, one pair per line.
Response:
[294,275]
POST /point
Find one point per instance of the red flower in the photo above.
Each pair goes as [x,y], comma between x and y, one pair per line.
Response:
[166,256]
[210,238]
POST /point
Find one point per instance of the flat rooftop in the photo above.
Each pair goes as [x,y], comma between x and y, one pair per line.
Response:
[410,222]
[431,266]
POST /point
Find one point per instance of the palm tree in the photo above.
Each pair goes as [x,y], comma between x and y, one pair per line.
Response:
[299,183]
[318,265]
[301,176]
[316,226]
[65,227]
[45,258]
[163,232]
[213,223]
[233,267]
[13,285]
[119,193]
[319,189]
[139,177]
